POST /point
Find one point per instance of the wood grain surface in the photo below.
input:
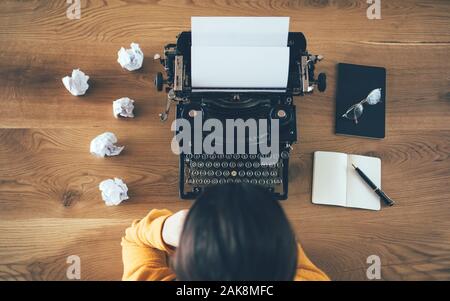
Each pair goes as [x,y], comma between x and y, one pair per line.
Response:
[50,205]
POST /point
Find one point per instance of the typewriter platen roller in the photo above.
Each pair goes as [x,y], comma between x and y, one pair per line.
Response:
[198,170]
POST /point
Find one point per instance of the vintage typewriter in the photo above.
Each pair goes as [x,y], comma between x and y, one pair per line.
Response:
[197,170]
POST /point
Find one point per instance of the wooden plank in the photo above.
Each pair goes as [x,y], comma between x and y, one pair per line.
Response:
[37,98]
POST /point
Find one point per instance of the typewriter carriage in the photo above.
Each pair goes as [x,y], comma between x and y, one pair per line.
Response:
[177,65]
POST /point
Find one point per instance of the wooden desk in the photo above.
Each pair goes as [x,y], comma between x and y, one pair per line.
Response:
[50,205]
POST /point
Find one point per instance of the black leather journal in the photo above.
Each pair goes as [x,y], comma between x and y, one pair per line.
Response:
[361,101]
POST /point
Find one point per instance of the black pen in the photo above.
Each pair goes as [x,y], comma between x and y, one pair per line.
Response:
[376,189]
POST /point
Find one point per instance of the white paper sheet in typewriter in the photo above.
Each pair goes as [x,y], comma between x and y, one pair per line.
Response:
[240,31]
[240,52]
[240,67]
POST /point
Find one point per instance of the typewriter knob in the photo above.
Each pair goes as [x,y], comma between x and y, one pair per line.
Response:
[281,114]
[284,155]
[322,82]
[192,113]
[159,81]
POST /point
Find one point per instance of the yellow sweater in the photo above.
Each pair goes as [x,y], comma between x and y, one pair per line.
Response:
[145,255]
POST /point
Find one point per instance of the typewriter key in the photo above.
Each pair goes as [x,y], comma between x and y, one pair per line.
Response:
[234,173]
[203,173]
[224,164]
[249,173]
[208,164]
[226,173]
[242,173]
[218,173]
[216,164]
[214,181]
[232,164]
[257,173]
[210,173]
[248,164]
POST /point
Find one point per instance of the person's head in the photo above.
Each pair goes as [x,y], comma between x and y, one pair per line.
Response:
[236,232]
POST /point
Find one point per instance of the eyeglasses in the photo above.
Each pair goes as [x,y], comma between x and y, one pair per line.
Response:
[356,111]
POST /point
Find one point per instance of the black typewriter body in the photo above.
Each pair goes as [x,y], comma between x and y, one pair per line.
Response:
[198,170]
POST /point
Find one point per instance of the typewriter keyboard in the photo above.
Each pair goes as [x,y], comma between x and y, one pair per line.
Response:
[204,169]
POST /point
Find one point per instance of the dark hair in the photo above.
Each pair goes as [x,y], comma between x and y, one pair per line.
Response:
[236,232]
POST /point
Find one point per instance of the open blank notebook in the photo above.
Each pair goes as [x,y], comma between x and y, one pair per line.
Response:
[336,182]
[240,52]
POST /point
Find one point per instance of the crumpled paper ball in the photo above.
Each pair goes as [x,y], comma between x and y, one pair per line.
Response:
[123,107]
[103,145]
[132,58]
[114,191]
[77,84]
